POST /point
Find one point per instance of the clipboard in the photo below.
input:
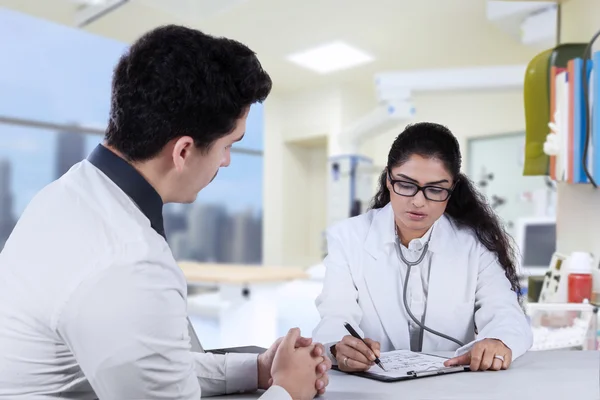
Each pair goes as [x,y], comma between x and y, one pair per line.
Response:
[242,350]
[377,374]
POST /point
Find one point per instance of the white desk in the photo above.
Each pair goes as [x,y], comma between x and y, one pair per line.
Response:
[244,299]
[560,375]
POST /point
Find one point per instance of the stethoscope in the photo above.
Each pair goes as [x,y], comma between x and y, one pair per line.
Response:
[409,265]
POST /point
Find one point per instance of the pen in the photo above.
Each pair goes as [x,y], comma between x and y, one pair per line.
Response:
[350,329]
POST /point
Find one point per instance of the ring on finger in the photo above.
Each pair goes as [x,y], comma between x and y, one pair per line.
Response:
[346,362]
[501,358]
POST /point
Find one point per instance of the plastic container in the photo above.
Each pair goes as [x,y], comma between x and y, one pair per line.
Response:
[563,326]
[580,282]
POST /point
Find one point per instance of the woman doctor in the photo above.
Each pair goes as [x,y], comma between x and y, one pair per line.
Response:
[429,268]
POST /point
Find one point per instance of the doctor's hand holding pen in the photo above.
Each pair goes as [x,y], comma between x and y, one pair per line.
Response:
[353,355]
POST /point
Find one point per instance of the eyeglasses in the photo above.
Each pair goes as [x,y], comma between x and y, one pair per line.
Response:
[410,189]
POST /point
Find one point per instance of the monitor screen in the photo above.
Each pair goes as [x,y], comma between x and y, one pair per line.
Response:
[538,244]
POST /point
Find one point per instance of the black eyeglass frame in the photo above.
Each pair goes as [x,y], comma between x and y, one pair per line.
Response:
[420,188]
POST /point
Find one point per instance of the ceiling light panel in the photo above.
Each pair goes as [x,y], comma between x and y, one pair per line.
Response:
[331,57]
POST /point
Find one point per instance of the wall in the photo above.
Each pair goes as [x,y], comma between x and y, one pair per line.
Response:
[308,115]
[467,114]
[298,129]
[578,206]
[580,20]
[295,156]
[317,196]
[273,193]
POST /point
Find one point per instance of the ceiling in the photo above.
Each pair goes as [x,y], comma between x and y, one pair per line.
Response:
[400,34]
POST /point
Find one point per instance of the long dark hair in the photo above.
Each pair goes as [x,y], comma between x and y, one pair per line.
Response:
[467,207]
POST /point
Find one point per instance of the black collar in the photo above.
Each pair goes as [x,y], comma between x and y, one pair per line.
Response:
[130,181]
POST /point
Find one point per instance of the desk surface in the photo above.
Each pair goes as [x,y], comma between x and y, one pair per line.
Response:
[559,375]
[238,274]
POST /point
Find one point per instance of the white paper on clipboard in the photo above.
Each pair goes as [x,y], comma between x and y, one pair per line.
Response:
[403,363]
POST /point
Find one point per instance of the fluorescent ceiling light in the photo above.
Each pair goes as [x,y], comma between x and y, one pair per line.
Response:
[330,57]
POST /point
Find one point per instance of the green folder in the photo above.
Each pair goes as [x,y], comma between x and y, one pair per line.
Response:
[536,93]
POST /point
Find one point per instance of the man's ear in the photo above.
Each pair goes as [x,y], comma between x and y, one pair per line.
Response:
[182,151]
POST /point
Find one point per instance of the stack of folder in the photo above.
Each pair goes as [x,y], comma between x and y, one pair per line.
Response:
[568,114]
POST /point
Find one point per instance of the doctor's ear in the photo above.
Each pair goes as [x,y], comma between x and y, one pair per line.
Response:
[388,184]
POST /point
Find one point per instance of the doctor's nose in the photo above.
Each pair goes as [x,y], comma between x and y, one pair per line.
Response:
[419,200]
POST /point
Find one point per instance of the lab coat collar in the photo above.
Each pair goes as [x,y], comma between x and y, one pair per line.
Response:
[130,181]
[382,234]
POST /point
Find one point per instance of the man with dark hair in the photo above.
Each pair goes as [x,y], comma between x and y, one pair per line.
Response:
[92,303]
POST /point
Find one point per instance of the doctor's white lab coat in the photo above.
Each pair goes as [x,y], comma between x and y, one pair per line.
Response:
[468,290]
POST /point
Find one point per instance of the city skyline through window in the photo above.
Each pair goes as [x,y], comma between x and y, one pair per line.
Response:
[73,88]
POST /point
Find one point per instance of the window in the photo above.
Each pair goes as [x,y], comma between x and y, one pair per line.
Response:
[30,158]
[224,224]
[54,73]
[495,164]
[57,76]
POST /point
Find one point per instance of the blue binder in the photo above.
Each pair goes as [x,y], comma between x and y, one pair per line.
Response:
[595,114]
[579,121]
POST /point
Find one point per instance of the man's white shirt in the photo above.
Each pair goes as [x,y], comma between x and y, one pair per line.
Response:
[93,305]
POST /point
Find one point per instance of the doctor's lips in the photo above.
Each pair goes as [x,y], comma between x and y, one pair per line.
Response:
[416,215]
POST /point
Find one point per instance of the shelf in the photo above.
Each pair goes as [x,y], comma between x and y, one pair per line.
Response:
[540,1]
[525,273]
